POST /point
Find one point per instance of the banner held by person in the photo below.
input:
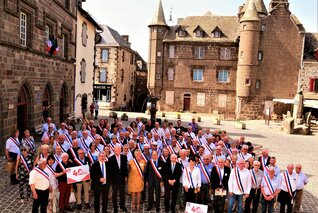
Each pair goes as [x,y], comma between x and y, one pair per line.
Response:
[78,174]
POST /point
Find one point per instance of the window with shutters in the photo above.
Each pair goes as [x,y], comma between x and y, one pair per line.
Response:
[225,53]
[171,51]
[102,76]
[170,73]
[199,52]
[313,85]
[200,99]
[198,75]
[84,34]
[169,97]
[83,70]
[222,100]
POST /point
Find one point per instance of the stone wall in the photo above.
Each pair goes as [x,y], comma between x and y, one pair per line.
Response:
[310,70]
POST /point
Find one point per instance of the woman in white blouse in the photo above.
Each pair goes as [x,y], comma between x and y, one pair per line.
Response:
[191,180]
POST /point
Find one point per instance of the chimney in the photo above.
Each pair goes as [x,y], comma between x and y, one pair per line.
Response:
[126,38]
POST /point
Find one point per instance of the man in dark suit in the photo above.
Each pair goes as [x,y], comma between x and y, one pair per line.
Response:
[119,174]
[171,172]
[153,179]
[219,182]
[100,177]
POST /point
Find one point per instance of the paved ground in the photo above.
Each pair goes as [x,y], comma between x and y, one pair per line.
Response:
[287,149]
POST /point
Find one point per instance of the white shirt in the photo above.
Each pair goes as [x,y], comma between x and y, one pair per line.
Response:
[277,170]
[184,164]
[47,134]
[45,127]
[53,180]
[191,134]
[100,147]
[62,131]
[12,147]
[207,150]
[243,156]
[302,181]
[276,183]
[195,175]
[65,146]
[40,182]
[158,131]
[87,142]
[201,140]
[293,181]
[246,181]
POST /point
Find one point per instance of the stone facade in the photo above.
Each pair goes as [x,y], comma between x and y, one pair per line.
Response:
[116,73]
[239,67]
[30,77]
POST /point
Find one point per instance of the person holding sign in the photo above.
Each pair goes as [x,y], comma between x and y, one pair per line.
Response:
[153,180]
[136,178]
[191,180]
[64,188]
[219,182]
[101,180]
[239,185]
[270,188]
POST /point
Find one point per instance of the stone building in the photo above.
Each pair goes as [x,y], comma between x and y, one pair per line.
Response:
[115,76]
[233,65]
[87,27]
[30,77]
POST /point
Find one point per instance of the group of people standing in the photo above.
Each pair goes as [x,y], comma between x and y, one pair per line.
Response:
[182,164]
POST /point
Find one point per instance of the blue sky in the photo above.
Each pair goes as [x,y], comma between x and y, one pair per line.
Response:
[131,17]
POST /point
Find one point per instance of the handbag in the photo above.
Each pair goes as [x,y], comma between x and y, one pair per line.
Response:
[10,167]
[72,198]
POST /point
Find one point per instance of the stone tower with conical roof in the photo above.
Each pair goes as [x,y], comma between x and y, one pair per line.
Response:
[248,64]
[158,28]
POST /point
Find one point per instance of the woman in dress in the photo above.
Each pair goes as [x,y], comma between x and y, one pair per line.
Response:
[28,141]
[135,179]
[52,205]
[23,168]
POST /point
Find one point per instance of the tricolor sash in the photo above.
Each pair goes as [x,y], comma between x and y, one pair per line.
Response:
[68,139]
[92,137]
[163,159]
[50,169]
[208,148]
[238,179]
[84,144]
[218,169]
[165,142]
[155,169]
[264,164]
[24,162]
[200,142]
[111,146]
[103,141]
[90,157]
[89,128]
[242,156]
[58,144]
[179,145]
[269,184]
[253,177]
[30,143]
[17,143]
[143,156]
[138,168]
[229,151]
[204,171]
[180,161]
[288,184]
[40,171]
[189,177]
[193,150]
[171,150]
[100,128]
[59,163]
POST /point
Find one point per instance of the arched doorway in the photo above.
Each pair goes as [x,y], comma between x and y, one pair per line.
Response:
[23,111]
[47,102]
[63,103]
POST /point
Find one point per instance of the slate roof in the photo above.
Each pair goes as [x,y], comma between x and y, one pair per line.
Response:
[111,38]
[229,26]
[250,12]
[159,18]
[259,4]
[311,45]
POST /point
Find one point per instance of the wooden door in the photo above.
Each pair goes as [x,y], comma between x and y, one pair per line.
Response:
[186,103]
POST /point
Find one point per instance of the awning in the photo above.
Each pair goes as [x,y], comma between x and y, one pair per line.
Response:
[311,103]
[284,101]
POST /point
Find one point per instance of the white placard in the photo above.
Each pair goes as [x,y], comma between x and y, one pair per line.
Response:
[195,208]
[77,174]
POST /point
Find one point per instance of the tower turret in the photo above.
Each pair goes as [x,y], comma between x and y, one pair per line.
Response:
[248,54]
[158,28]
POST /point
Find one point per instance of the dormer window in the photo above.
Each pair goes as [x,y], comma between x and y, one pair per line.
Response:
[181,33]
[216,34]
[199,34]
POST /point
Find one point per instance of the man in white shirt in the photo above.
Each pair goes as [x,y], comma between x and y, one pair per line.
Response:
[301,182]
[244,154]
[85,141]
[48,123]
[288,187]
[63,129]
[239,185]
[157,130]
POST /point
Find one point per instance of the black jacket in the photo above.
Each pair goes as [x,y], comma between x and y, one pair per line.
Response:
[118,175]
[96,175]
[168,175]
[215,178]
[150,175]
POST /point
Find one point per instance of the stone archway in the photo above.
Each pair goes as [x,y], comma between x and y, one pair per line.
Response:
[47,102]
[24,104]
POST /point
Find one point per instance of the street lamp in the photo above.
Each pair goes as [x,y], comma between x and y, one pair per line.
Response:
[153,109]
